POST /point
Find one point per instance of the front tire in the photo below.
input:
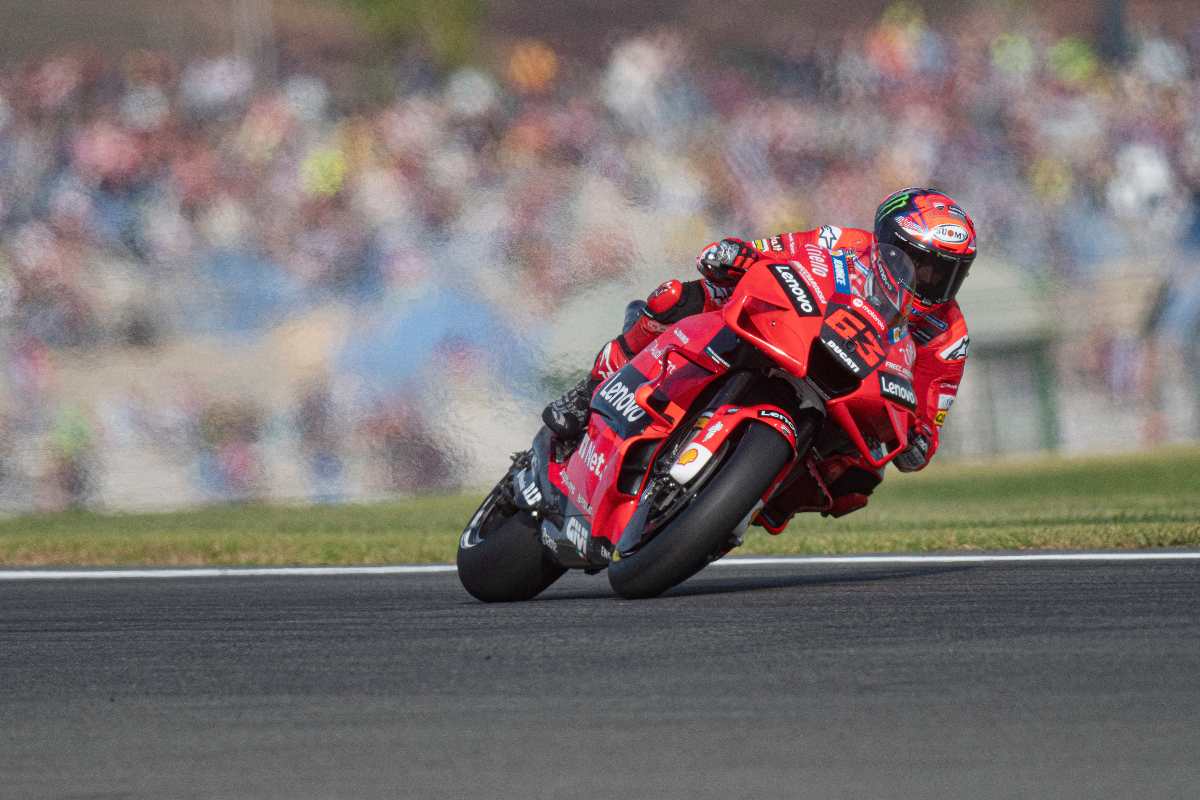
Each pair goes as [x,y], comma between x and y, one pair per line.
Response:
[500,555]
[702,529]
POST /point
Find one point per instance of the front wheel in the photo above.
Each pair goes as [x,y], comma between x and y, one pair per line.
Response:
[702,529]
[500,554]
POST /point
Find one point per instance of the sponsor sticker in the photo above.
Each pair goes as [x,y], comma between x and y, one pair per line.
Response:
[841,278]
[829,236]
[615,402]
[716,428]
[592,459]
[689,463]
[577,534]
[894,204]
[932,319]
[956,351]
[782,419]
[866,309]
[713,355]
[896,388]
[811,281]
[773,244]
[802,302]
[567,482]
[943,408]
[912,228]
[951,234]
[835,348]
[621,398]
[816,260]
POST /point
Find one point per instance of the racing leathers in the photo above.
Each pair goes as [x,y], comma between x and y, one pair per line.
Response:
[835,483]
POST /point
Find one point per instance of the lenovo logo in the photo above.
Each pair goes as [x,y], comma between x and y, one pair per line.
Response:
[621,398]
[896,388]
[796,292]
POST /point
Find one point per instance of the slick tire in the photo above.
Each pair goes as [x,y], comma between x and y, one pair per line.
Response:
[702,529]
[508,563]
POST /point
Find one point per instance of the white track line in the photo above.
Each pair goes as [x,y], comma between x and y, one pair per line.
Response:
[749,561]
[215,572]
[979,558]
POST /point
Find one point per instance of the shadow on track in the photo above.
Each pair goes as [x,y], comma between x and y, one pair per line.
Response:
[707,583]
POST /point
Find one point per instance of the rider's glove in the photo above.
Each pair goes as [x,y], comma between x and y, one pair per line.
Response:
[725,262]
[916,455]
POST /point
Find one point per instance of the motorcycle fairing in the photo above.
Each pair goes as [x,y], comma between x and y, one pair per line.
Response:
[543,488]
[719,426]
[854,334]
[854,340]
[780,309]
[634,411]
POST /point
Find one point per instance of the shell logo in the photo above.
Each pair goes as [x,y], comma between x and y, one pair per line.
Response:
[689,455]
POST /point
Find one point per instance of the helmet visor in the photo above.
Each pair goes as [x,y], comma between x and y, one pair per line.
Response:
[937,276]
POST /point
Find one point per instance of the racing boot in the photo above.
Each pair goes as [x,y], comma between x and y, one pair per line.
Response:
[567,416]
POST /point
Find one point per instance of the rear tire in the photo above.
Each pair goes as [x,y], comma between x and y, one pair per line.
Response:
[506,561]
[701,531]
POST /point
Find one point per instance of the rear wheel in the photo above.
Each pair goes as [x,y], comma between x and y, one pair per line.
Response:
[500,554]
[702,529]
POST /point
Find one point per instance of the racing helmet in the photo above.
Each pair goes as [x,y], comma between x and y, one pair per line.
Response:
[935,233]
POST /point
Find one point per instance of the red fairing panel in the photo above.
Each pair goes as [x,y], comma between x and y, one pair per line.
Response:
[787,306]
[642,402]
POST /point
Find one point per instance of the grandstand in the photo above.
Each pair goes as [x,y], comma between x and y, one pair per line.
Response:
[235,246]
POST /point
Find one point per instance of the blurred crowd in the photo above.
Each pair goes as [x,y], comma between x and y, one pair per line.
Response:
[445,218]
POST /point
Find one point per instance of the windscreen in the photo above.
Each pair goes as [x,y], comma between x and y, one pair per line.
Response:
[890,272]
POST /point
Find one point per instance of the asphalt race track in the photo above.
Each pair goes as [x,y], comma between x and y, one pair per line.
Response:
[824,681]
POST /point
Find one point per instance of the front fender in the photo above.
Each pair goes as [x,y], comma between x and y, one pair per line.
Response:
[720,426]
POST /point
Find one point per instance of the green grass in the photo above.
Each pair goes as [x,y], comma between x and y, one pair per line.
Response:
[1129,502]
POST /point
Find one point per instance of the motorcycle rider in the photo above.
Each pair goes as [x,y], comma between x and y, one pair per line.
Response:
[939,237]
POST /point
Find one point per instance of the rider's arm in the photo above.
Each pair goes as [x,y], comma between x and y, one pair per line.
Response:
[936,375]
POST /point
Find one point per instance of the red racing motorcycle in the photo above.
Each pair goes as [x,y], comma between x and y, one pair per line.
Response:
[689,441]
